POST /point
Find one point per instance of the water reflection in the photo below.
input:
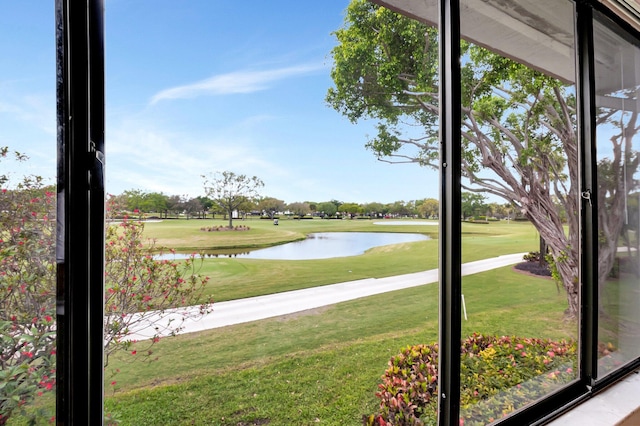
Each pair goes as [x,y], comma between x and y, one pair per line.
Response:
[322,245]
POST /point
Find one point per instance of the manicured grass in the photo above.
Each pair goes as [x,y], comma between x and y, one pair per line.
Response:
[324,364]
[320,366]
[238,278]
[233,278]
[186,235]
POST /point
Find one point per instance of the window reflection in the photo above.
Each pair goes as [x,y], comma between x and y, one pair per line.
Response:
[520,154]
[616,68]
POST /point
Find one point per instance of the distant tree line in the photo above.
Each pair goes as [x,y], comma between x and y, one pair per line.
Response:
[173,206]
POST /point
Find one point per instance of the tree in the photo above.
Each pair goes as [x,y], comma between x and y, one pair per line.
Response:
[154,202]
[399,209]
[206,205]
[351,209]
[473,204]
[134,199]
[336,203]
[192,207]
[144,202]
[429,208]
[271,206]
[497,210]
[374,209]
[175,204]
[327,209]
[230,191]
[119,201]
[247,207]
[27,290]
[518,127]
[299,209]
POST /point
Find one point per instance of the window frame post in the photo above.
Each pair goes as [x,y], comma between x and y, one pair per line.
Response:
[80,230]
[450,244]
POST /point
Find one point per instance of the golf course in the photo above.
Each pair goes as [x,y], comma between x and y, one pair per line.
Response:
[321,366]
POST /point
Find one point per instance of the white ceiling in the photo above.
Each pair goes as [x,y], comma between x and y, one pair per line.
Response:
[538,33]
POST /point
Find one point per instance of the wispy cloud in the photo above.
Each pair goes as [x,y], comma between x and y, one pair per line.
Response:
[33,110]
[234,82]
[148,157]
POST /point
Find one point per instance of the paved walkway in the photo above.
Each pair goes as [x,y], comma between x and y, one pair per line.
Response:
[273,305]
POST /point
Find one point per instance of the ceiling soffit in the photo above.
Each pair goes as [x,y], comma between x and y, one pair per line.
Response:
[533,33]
[537,33]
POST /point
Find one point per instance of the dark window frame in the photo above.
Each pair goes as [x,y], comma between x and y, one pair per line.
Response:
[588,384]
[80,248]
[80,115]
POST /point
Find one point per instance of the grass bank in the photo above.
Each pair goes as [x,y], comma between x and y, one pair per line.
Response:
[320,366]
[186,235]
[234,278]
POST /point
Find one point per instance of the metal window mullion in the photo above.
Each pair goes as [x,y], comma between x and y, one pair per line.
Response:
[96,200]
[588,189]
[450,211]
[80,80]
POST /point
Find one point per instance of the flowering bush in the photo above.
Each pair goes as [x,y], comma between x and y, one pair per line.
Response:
[27,291]
[144,292]
[139,291]
[498,375]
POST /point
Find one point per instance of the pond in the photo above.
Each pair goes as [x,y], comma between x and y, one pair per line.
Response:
[323,245]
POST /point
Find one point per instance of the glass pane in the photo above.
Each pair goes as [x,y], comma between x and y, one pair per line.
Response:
[519,205]
[617,69]
[27,214]
[205,87]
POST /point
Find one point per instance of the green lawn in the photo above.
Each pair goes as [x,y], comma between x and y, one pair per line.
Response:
[187,234]
[233,278]
[324,364]
[321,366]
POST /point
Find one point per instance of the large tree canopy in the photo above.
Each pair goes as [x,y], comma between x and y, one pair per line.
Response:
[231,191]
[518,125]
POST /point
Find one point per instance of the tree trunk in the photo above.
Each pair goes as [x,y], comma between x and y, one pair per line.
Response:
[563,246]
[565,257]
[543,252]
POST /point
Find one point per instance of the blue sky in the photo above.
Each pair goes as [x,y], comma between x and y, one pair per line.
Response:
[194,87]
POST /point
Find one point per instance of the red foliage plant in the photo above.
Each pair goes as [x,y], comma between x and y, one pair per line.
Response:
[498,375]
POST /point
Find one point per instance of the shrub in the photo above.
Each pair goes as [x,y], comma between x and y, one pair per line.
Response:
[408,392]
[532,256]
[139,291]
[498,375]
[534,268]
[143,292]
[27,291]
[224,228]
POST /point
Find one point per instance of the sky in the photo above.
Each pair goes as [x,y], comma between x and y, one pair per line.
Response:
[195,87]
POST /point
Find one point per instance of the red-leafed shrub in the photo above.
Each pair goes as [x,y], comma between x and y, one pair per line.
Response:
[498,375]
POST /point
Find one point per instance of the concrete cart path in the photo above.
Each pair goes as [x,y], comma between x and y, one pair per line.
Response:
[273,305]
